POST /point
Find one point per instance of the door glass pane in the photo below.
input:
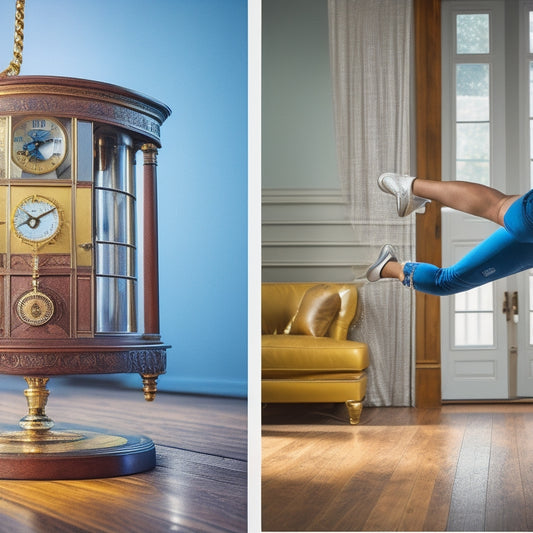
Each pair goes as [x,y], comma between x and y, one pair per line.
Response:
[473,34]
[472,91]
[530,308]
[478,299]
[530,113]
[474,329]
[530,88]
[473,152]
[473,315]
[531,32]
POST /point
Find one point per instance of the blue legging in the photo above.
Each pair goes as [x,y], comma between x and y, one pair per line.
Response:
[507,251]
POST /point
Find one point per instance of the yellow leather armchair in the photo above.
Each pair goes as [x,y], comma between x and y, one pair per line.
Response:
[305,354]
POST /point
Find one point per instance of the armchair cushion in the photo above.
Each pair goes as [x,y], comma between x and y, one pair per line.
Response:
[303,354]
[280,301]
[319,306]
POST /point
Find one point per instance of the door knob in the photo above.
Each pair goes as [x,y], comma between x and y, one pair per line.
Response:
[510,306]
[514,307]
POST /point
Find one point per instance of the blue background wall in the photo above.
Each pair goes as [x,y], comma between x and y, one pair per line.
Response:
[191,55]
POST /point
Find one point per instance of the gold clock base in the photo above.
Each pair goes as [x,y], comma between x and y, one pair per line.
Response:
[72,453]
[37,452]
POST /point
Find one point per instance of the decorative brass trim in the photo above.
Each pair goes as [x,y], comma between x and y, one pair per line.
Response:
[149,151]
[14,66]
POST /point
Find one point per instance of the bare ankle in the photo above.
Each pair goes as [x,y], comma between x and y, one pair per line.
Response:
[393,269]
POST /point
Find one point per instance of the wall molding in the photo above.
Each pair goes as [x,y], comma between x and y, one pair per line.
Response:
[302,196]
[306,236]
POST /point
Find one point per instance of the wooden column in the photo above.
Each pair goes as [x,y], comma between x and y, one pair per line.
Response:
[428,227]
[151,265]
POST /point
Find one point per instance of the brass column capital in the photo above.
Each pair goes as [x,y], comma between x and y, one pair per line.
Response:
[150,153]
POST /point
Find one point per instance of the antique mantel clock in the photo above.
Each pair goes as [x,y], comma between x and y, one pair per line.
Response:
[70,276]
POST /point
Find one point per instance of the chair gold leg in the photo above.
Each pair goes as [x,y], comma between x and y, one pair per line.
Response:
[354,410]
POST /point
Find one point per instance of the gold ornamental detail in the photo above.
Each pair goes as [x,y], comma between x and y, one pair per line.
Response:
[13,68]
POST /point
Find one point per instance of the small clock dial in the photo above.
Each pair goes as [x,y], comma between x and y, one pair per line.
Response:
[36,220]
[39,145]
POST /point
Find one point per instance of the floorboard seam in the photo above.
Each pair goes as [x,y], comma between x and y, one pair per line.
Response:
[244,461]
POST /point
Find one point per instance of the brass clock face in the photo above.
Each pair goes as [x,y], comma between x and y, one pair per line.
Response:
[39,145]
[36,220]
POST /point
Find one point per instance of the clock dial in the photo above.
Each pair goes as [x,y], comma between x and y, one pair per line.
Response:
[39,145]
[36,220]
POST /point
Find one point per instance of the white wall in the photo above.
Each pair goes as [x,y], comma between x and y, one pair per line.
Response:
[297,108]
[192,55]
[306,235]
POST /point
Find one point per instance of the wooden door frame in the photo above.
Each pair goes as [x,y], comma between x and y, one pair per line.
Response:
[428,86]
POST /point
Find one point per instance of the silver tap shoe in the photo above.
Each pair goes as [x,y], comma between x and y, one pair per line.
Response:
[386,254]
[402,187]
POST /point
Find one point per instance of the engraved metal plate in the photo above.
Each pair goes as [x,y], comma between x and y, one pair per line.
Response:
[35,308]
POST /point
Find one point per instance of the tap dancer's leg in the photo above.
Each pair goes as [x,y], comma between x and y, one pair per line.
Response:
[507,251]
[472,198]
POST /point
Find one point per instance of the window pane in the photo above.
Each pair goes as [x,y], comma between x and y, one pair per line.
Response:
[473,152]
[530,112]
[474,171]
[473,34]
[473,141]
[478,299]
[474,329]
[530,308]
[531,32]
[531,88]
[472,90]
[531,293]
[531,137]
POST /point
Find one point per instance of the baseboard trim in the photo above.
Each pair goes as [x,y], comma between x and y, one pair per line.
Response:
[212,387]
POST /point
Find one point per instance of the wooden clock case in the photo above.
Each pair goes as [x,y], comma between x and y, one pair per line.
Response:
[89,332]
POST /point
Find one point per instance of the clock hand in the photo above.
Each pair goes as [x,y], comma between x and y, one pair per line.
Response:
[24,211]
[44,214]
[31,221]
[31,149]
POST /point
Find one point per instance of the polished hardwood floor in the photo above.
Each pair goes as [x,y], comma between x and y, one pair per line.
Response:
[198,485]
[458,468]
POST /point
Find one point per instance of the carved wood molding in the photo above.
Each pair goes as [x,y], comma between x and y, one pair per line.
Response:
[85,99]
[147,361]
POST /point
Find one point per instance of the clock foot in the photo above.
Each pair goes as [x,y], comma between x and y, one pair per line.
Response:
[149,386]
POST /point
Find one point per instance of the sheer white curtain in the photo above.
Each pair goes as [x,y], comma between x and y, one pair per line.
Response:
[370,52]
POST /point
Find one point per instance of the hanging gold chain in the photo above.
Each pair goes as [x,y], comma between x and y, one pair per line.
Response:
[14,67]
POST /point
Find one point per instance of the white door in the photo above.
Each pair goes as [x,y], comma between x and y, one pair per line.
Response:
[474,329]
[487,80]
[522,346]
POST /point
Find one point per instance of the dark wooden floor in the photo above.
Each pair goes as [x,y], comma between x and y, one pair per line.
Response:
[459,468]
[198,485]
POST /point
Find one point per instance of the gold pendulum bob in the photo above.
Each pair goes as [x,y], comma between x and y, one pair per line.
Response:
[34,307]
